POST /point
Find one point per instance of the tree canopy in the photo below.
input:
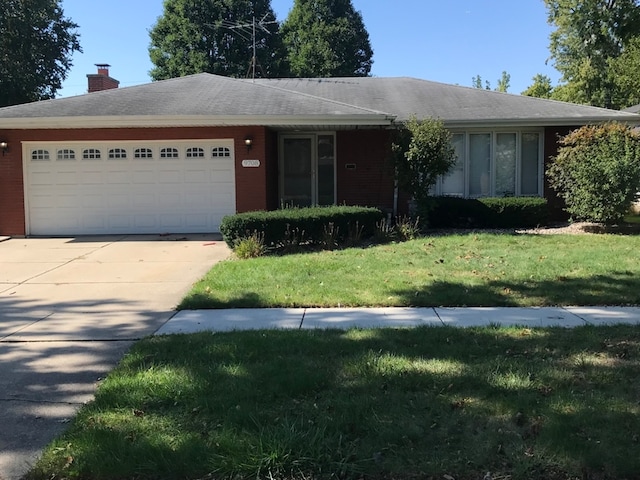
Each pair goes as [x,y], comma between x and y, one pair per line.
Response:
[215,36]
[541,87]
[326,38]
[503,84]
[589,35]
[626,73]
[36,45]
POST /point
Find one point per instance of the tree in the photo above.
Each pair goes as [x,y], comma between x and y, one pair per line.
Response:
[597,171]
[36,45]
[540,88]
[588,35]
[326,38]
[476,82]
[422,152]
[625,69]
[503,84]
[195,36]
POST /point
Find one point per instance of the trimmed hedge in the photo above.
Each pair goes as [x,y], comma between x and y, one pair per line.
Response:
[498,212]
[301,225]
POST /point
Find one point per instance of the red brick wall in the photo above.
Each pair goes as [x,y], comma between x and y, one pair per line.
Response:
[12,219]
[371,183]
[251,182]
[252,192]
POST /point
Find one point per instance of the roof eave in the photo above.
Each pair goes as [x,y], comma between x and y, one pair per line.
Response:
[130,121]
[537,122]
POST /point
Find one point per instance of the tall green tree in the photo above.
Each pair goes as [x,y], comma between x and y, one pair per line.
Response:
[36,45]
[476,82]
[503,84]
[215,36]
[626,74]
[326,38]
[588,35]
[540,88]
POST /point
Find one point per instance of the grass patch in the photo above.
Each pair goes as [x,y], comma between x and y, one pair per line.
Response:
[454,270]
[418,403]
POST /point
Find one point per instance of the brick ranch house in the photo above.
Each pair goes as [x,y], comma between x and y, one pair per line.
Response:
[178,155]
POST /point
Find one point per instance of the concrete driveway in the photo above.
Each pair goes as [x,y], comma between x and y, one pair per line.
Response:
[69,309]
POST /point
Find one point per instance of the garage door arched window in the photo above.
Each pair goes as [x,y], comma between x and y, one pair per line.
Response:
[144,153]
[220,152]
[195,152]
[117,154]
[91,154]
[66,154]
[40,155]
[169,152]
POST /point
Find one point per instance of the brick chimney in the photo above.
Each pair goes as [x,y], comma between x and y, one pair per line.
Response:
[101,80]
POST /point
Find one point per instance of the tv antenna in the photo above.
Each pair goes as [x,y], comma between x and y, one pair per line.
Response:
[248,32]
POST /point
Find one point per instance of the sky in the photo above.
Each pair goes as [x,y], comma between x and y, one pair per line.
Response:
[448,41]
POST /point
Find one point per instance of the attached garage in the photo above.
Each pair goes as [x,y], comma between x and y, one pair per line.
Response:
[89,188]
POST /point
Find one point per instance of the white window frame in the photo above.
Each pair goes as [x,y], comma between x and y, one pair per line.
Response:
[518,170]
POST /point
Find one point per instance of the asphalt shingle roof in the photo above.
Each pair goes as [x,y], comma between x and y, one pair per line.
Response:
[206,99]
[405,96]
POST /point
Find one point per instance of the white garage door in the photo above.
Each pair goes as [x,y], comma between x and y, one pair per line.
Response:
[128,187]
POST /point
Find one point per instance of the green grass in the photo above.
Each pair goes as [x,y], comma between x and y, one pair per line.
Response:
[377,404]
[454,270]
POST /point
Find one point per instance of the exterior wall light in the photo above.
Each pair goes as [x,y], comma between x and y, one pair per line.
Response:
[248,142]
[4,146]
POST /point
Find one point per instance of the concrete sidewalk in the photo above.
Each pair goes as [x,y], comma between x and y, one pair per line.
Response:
[190,321]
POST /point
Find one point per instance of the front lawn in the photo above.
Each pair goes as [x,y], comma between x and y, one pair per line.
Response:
[477,269]
[441,403]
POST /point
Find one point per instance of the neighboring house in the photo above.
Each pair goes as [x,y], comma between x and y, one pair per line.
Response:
[178,155]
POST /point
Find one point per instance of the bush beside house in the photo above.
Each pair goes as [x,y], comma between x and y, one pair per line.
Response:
[502,212]
[597,172]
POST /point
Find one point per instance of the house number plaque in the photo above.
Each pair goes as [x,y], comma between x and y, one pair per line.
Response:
[251,163]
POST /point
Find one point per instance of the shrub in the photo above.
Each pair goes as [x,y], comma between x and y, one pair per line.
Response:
[407,228]
[493,212]
[597,172]
[517,212]
[422,152]
[251,246]
[293,227]
[385,231]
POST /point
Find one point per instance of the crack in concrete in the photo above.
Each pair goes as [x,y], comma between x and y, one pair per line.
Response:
[564,309]
[435,310]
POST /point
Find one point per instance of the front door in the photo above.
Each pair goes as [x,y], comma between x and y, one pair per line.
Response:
[307,170]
